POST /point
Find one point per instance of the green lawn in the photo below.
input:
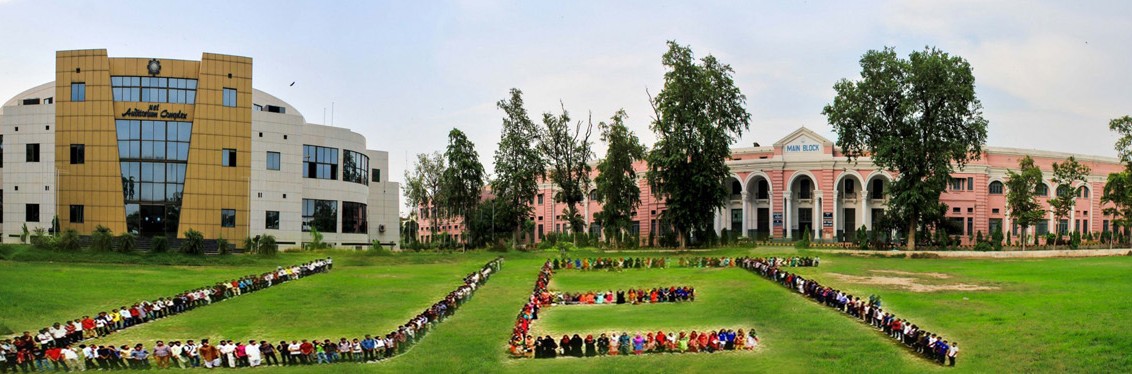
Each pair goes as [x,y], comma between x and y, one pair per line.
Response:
[1050,315]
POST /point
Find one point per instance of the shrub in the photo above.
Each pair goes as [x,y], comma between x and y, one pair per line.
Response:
[102,239]
[69,241]
[925,255]
[805,242]
[7,252]
[127,242]
[316,240]
[223,247]
[193,243]
[40,240]
[724,237]
[996,240]
[983,246]
[24,233]
[160,244]
[862,237]
[266,245]
[250,245]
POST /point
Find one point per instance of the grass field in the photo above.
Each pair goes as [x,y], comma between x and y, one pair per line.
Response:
[1050,315]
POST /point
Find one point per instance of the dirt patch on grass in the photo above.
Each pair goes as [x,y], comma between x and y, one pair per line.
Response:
[908,273]
[910,284]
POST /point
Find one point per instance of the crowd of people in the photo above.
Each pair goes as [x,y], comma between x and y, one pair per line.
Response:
[932,346]
[524,344]
[613,344]
[622,263]
[26,353]
[633,296]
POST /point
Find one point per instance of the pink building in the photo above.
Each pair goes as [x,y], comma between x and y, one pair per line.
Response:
[804,183]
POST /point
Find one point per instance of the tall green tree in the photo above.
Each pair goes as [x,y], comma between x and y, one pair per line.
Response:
[424,188]
[1118,189]
[518,164]
[1021,196]
[1065,175]
[616,180]
[699,113]
[568,153]
[463,180]
[1123,128]
[917,116]
[1118,195]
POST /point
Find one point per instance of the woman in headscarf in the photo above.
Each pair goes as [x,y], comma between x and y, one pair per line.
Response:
[620,297]
[614,344]
[565,345]
[740,340]
[625,343]
[603,345]
[576,346]
[752,340]
[550,349]
[590,349]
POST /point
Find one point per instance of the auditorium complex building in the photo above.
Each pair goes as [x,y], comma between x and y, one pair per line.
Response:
[160,146]
[803,183]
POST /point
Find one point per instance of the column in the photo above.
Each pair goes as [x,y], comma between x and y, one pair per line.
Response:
[787,215]
[746,215]
[819,220]
[864,213]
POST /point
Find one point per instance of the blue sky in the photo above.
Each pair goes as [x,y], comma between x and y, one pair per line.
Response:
[1050,73]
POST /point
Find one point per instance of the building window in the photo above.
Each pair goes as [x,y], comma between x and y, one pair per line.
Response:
[355,167]
[31,212]
[805,192]
[540,199]
[320,214]
[33,152]
[970,226]
[995,225]
[229,97]
[970,183]
[227,218]
[877,190]
[1083,192]
[76,214]
[1104,226]
[849,186]
[1043,227]
[320,162]
[375,174]
[272,160]
[154,89]
[228,157]
[1063,191]
[78,154]
[1041,190]
[276,109]
[354,218]
[272,220]
[996,188]
[78,91]
[958,184]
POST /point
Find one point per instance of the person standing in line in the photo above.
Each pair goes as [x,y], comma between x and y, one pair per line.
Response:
[952,352]
[162,353]
[192,353]
[177,353]
[253,353]
[209,354]
[268,352]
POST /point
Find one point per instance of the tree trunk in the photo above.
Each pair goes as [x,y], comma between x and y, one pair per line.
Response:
[911,245]
[682,238]
[1024,228]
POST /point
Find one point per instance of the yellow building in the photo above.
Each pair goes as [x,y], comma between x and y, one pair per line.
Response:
[160,146]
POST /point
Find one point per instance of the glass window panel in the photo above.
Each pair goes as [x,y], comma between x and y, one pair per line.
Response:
[145,94]
[147,130]
[147,171]
[162,82]
[123,129]
[135,81]
[117,94]
[115,81]
[135,130]
[191,98]
[183,151]
[147,149]
[135,149]
[192,84]
[145,82]
[171,151]
[147,191]
[159,130]
[171,192]
[123,149]
[162,96]
[185,129]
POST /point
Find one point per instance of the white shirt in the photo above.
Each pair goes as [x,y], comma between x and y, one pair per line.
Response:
[58,333]
[69,354]
[252,350]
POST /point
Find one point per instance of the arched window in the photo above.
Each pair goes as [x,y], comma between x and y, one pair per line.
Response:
[876,190]
[1083,192]
[736,187]
[1041,189]
[1062,190]
[804,189]
[996,188]
[764,189]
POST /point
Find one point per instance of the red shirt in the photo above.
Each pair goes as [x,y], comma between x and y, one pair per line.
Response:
[306,348]
[88,324]
[54,353]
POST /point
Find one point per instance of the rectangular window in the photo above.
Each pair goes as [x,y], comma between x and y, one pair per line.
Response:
[229,97]
[849,186]
[375,174]
[1104,226]
[996,188]
[970,226]
[78,154]
[78,91]
[272,220]
[994,226]
[227,218]
[32,152]
[276,109]
[540,199]
[154,89]
[76,214]
[970,183]
[320,162]
[1043,227]
[272,160]
[354,218]
[228,157]
[320,214]
[957,184]
[31,212]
